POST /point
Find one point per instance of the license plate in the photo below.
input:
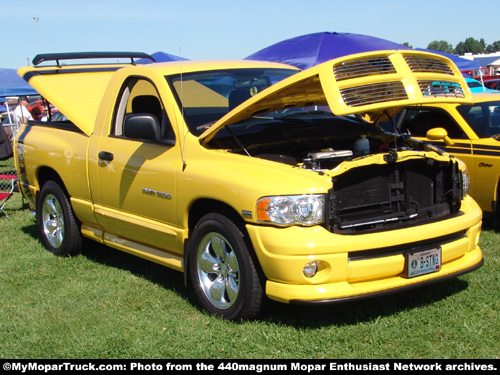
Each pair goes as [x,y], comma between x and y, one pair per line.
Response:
[423,262]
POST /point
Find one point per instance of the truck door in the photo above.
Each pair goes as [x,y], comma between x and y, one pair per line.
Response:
[135,199]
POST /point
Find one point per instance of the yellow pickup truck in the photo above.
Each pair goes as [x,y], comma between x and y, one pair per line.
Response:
[253,178]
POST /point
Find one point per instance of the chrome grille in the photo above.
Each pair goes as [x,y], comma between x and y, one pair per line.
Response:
[373,93]
[363,68]
[441,88]
[425,64]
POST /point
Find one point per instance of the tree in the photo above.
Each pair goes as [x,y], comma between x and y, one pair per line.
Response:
[493,47]
[441,46]
[471,45]
[406,44]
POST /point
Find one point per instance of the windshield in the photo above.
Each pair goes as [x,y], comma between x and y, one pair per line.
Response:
[473,84]
[204,97]
[483,118]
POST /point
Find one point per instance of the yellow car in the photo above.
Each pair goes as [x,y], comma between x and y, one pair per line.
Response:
[469,131]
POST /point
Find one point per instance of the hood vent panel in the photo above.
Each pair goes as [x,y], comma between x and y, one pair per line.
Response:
[373,93]
[363,68]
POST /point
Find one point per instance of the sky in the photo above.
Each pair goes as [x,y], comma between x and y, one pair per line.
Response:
[227,29]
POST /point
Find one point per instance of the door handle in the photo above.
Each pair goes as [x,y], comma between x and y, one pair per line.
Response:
[106,156]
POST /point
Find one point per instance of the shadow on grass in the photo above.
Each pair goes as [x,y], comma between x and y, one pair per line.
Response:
[366,310]
[488,221]
[347,313]
[163,276]
[305,316]
[102,254]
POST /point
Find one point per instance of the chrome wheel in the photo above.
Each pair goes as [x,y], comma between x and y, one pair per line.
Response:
[58,223]
[218,270]
[221,268]
[53,220]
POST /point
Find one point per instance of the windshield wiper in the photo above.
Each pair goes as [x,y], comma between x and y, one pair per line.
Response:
[205,126]
[296,116]
[312,112]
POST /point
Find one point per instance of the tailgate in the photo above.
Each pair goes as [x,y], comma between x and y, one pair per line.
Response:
[76,90]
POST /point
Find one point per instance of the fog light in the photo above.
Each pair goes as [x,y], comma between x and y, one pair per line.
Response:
[310,269]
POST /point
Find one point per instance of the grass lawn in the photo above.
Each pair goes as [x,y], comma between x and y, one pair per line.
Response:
[108,304]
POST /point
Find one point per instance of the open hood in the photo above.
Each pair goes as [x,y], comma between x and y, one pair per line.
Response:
[367,83]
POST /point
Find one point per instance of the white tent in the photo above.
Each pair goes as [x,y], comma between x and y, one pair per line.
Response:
[495,67]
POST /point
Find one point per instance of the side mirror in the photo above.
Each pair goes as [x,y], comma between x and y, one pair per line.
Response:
[142,126]
[439,134]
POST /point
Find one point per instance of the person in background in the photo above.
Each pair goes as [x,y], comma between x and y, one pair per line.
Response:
[21,113]
[36,113]
[45,112]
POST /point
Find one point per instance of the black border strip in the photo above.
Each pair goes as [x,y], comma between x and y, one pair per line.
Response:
[32,74]
[40,58]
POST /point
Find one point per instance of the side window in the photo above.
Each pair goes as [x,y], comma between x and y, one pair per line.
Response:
[419,120]
[483,118]
[140,97]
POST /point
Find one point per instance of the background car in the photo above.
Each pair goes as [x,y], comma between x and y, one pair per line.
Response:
[493,83]
[477,73]
[470,132]
[38,109]
[476,86]
[58,117]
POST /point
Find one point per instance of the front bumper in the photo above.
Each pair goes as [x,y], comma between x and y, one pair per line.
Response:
[358,266]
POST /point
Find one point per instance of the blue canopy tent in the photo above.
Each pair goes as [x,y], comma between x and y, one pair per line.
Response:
[308,50]
[161,57]
[460,62]
[13,85]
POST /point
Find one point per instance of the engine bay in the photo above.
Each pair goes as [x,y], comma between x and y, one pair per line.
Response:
[315,140]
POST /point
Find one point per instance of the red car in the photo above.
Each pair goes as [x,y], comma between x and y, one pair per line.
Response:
[38,109]
[477,73]
[493,83]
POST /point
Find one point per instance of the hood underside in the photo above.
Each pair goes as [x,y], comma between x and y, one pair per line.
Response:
[371,84]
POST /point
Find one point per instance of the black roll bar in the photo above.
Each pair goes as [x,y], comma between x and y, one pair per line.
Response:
[38,59]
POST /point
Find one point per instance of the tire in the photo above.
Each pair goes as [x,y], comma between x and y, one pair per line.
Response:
[222,270]
[59,227]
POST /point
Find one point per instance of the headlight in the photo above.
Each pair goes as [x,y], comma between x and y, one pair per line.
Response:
[465,182]
[291,209]
[465,177]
